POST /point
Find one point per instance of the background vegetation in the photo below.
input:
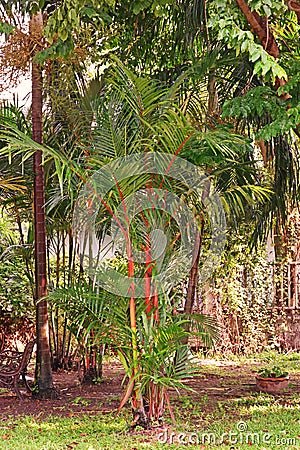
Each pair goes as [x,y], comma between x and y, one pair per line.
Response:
[216,83]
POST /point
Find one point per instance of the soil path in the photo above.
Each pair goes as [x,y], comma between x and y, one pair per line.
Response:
[216,382]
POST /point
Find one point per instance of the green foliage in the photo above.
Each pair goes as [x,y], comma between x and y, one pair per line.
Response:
[88,310]
[267,7]
[256,101]
[264,417]
[6,28]
[16,302]
[69,18]
[262,101]
[272,372]
[161,348]
[15,291]
[244,286]
[231,27]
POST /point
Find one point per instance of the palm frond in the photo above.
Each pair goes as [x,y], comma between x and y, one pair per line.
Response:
[206,327]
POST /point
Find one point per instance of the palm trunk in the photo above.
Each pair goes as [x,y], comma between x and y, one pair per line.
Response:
[193,278]
[139,415]
[43,362]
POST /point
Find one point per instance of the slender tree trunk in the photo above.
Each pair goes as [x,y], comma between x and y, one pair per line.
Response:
[43,363]
[193,279]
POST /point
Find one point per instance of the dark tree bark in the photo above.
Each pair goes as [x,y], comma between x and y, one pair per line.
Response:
[260,27]
[193,278]
[294,6]
[43,363]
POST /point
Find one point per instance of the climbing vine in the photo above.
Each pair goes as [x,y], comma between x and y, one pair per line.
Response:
[244,295]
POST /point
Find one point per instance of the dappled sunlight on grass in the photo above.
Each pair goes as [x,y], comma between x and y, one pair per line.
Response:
[223,405]
[53,433]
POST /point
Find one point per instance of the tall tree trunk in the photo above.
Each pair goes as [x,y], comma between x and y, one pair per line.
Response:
[43,362]
[260,27]
[193,278]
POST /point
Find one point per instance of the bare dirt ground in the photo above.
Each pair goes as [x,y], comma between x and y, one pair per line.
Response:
[218,382]
[74,398]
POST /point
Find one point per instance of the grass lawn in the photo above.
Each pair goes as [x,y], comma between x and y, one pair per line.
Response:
[224,412]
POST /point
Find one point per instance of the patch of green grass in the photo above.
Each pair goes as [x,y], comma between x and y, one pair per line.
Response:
[259,421]
[3,391]
[220,371]
[255,420]
[270,422]
[80,401]
[287,361]
[99,432]
[221,366]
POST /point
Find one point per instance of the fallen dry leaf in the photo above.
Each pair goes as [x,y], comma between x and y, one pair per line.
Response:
[6,436]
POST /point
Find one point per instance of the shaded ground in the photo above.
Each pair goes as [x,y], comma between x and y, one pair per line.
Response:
[73,397]
[216,384]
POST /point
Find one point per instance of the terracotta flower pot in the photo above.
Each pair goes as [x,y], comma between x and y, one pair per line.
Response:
[272,385]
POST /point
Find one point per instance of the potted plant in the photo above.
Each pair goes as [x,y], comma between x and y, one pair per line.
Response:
[272,380]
